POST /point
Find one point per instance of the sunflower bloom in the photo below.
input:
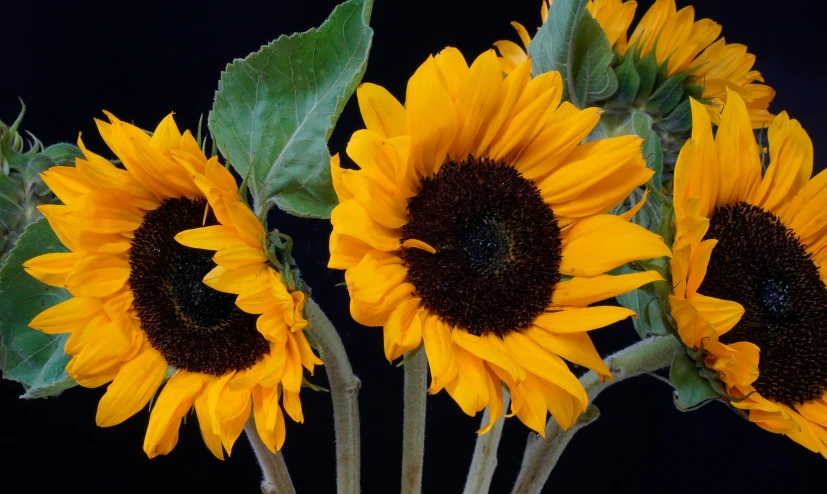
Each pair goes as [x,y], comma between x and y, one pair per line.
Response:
[749,268]
[471,203]
[678,41]
[140,310]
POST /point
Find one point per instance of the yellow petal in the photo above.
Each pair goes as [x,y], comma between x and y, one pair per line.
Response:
[249,228]
[697,167]
[211,439]
[351,219]
[135,384]
[97,276]
[68,316]
[601,243]
[377,314]
[381,112]
[266,400]
[574,347]
[214,237]
[495,402]
[534,359]
[481,348]
[436,336]
[454,69]
[403,330]
[582,291]
[346,252]
[239,256]
[377,274]
[431,118]
[470,388]
[52,269]
[234,280]
[582,319]
[293,406]
[532,412]
[174,401]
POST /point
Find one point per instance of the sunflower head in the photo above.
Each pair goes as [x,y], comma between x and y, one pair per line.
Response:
[152,299]
[476,227]
[669,58]
[750,300]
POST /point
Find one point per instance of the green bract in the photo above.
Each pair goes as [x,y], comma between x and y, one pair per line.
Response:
[275,110]
[21,189]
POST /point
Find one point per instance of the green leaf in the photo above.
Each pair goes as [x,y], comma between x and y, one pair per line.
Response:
[691,389]
[275,110]
[574,44]
[34,359]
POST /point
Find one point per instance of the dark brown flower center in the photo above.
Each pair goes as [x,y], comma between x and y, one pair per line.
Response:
[498,247]
[195,327]
[762,265]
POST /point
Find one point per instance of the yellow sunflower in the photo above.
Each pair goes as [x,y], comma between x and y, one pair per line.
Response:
[749,268]
[476,226]
[678,41]
[140,310]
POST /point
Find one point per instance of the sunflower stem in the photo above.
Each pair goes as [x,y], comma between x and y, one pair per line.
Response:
[275,477]
[344,390]
[541,454]
[413,433]
[484,461]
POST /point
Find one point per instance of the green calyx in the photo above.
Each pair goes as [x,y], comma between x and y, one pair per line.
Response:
[646,88]
[21,188]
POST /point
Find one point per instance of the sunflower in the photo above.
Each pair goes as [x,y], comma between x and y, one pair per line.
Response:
[679,43]
[476,227]
[140,311]
[749,267]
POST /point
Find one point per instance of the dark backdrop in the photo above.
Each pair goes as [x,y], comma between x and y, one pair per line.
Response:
[143,60]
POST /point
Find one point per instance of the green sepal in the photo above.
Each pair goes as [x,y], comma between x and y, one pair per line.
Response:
[315,387]
[647,69]
[34,359]
[275,110]
[628,84]
[408,356]
[692,389]
[573,43]
[63,153]
[667,95]
[21,188]
[679,120]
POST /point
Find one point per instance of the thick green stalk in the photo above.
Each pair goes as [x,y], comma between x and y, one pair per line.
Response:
[484,461]
[344,390]
[275,477]
[542,454]
[413,432]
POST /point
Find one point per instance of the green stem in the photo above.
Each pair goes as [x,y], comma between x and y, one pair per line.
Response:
[541,454]
[344,390]
[413,433]
[484,461]
[275,477]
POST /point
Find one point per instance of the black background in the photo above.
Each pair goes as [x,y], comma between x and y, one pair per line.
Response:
[143,60]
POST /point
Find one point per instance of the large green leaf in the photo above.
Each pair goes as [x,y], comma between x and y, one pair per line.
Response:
[34,359]
[574,44]
[275,110]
